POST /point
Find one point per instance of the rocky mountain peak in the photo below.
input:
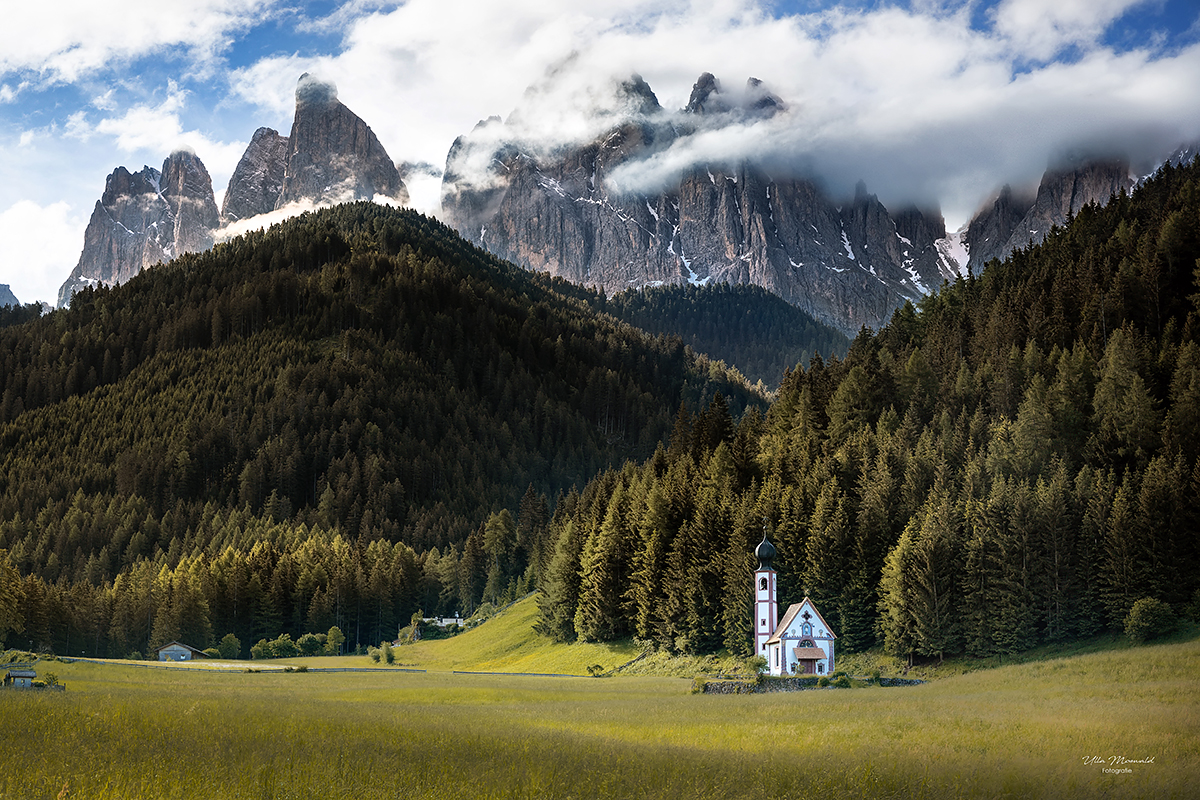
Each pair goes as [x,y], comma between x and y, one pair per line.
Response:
[639,97]
[7,298]
[333,156]
[149,216]
[313,91]
[1012,221]
[123,183]
[735,224]
[917,225]
[144,218]
[702,93]
[184,175]
[257,181]
[759,100]
[186,187]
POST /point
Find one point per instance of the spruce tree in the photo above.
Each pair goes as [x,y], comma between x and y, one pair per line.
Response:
[559,595]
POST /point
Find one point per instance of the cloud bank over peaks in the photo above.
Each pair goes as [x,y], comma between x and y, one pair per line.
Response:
[924,103]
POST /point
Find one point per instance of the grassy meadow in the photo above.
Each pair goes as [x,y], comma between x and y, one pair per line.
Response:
[1023,730]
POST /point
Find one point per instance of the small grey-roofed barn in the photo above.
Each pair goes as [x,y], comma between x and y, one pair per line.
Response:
[177,651]
[20,678]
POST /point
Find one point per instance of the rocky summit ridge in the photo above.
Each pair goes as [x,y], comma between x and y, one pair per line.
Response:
[848,262]
[151,216]
[847,265]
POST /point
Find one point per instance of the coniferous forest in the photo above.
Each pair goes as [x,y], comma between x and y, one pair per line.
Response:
[356,415]
[307,427]
[745,325]
[1012,463]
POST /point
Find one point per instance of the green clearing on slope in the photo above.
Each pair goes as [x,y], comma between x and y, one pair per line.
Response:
[1018,731]
[507,643]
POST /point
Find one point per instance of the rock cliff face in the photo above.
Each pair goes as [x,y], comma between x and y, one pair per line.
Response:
[847,266]
[7,298]
[333,156]
[144,218]
[989,231]
[257,181]
[1010,223]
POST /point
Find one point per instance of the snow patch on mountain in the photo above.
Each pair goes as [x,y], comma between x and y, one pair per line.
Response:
[953,254]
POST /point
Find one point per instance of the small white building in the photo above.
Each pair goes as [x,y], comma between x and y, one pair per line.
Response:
[20,678]
[176,651]
[802,642]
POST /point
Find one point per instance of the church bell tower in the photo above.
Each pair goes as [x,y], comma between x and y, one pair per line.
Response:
[766,609]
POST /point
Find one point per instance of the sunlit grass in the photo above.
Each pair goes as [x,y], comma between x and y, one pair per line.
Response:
[1021,730]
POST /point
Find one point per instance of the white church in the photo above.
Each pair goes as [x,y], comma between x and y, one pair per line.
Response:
[799,644]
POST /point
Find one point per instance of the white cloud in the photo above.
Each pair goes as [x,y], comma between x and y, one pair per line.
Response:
[67,39]
[1041,29]
[41,247]
[152,132]
[264,221]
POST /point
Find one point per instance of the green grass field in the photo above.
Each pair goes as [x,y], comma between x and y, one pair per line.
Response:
[1025,730]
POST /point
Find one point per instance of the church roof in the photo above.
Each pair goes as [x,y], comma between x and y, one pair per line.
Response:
[803,653]
[792,611]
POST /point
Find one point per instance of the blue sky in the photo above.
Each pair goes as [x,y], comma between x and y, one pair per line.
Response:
[936,101]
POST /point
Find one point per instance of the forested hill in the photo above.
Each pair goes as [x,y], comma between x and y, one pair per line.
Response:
[1014,462]
[746,326]
[359,371]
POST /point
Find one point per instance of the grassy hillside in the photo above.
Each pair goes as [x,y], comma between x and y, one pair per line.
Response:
[508,643]
[1020,731]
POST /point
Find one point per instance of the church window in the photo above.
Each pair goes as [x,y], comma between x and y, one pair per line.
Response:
[807,630]
[763,623]
[762,584]
[820,668]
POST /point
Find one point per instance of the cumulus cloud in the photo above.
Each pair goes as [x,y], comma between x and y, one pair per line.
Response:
[151,131]
[1039,29]
[65,40]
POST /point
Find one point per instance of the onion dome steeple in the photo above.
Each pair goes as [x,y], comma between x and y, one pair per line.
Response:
[765,552]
